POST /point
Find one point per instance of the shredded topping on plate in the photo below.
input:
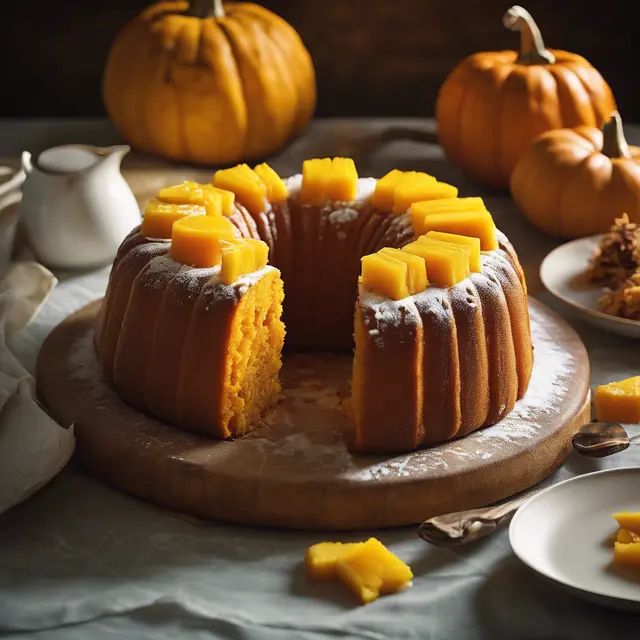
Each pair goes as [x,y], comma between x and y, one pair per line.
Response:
[617,258]
[624,301]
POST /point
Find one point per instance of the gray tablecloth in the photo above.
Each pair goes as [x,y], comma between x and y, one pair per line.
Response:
[80,560]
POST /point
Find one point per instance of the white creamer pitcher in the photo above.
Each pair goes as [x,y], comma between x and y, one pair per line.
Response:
[76,206]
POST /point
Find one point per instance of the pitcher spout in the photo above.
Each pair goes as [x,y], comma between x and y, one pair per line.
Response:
[109,158]
[115,154]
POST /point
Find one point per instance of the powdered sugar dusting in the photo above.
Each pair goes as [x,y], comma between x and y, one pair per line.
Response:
[159,271]
[343,216]
[294,184]
[249,279]
[151,247]
[161,264]
[365,189]
[380,312]
[299,444]
[192,279]
[380,315]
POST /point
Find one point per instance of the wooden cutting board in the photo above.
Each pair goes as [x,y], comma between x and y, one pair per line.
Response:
[295,471]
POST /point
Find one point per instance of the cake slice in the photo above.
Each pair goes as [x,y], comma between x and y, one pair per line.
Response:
[200,335]
[439,362]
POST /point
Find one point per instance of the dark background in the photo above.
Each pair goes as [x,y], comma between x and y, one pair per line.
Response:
[373,57]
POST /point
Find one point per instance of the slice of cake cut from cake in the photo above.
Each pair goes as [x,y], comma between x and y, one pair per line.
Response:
[438,363]
[191,331]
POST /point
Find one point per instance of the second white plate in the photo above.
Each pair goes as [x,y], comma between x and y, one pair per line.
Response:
[565,534]
[562,273]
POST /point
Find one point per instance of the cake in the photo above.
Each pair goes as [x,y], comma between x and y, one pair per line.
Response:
[446,352]
[460,357]
[187,344]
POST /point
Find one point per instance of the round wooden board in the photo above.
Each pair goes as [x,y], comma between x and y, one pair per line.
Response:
[295,471]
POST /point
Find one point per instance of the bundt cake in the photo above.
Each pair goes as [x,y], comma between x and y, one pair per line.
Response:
[442,338]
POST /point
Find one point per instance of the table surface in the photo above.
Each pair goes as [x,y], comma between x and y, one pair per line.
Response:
[80,560]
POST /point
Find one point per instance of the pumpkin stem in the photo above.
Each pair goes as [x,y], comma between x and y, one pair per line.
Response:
[614,144]
[206,9]
[532,49]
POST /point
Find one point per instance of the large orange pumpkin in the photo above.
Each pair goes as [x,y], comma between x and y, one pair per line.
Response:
[494,103]
[207,83]
[574,182]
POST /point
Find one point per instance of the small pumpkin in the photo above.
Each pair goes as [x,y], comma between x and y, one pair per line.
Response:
[208,83]
[573,182]
[494,103]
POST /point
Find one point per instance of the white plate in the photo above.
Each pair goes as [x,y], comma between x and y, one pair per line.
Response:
[562,273]
[564,534]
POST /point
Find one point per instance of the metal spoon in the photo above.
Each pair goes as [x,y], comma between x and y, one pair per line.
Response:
[595,440]
[601,439]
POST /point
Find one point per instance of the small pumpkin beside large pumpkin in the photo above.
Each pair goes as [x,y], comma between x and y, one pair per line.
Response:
[494,103]
[573,182]
[208,83]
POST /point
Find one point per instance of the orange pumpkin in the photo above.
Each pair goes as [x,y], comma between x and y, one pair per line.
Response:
[574,182]
[494,103]
[209,84]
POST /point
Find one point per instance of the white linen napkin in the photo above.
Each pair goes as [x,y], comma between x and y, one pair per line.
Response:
[33,447]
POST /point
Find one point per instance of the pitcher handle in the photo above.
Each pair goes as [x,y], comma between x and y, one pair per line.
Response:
[13,183]
[25,162]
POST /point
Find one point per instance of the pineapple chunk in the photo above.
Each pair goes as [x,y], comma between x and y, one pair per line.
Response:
[232,262]
[237,259]
[227,200]
[453,238]
[276,188]
[385,276]
[477,224]
[413,186]
[241,256]
[444,267]
[385,188]
[462,255]
[196,239]
[322,558]
[628,520]
[315,180]
[260,253]
[343,180]
[368,568]
[439,191]
[159,217]
[618,401]
[249,189]
[416,269]
[452,205]
[627,554]
[626,537]
[371,569]
[191,192]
